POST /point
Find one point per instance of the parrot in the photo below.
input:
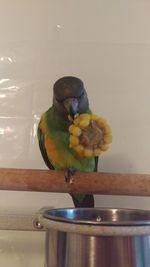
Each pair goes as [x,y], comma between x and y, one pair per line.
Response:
[69,98]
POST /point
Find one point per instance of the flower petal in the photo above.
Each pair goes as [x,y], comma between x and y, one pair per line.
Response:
[74,141]
[97,152]
[84,123]
[88,152]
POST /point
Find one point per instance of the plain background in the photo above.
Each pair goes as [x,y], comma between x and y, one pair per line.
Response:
[106,44]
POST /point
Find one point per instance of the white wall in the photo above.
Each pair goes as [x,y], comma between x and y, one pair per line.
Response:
[105,43]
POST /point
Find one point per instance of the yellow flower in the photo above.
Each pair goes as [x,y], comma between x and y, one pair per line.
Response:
[79,149]
[74,141]
[90,135]
[84,123]
[85,116]
[96,152]
[104,147]
[108,139]
[94,117]
[74,130]
[88,152]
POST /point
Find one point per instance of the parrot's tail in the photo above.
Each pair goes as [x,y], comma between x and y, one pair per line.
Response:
[82,200]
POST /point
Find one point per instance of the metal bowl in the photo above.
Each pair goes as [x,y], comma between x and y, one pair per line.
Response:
[100,216]
[96,237]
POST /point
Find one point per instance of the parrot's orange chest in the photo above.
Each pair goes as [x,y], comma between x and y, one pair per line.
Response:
[51,149]
[58,151]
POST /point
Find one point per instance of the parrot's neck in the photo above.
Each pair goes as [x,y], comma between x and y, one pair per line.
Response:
[56,120]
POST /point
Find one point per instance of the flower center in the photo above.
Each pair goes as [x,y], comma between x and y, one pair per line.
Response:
[92,136]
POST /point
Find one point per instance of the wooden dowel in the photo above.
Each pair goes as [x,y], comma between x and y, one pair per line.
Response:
[89,182]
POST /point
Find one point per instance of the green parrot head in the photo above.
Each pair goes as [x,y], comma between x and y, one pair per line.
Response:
[70,97]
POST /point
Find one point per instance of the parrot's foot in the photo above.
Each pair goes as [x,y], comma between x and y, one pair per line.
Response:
[68,175]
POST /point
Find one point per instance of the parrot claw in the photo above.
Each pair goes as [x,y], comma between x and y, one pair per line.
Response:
[68,175]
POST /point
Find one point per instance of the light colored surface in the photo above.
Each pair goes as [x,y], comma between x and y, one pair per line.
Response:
[21,249]
[18,222]
[105,43]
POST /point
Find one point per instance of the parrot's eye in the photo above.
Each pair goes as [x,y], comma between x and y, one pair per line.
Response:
[59,100]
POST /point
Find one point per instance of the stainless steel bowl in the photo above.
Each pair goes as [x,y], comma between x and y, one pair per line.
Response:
[96,237]
[99,216]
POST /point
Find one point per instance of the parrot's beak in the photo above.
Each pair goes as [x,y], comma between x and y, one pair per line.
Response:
[72,106]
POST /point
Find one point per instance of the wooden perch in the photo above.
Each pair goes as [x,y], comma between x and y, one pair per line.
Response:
[89,182]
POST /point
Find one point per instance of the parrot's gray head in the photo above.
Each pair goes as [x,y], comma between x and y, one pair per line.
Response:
[70,97]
